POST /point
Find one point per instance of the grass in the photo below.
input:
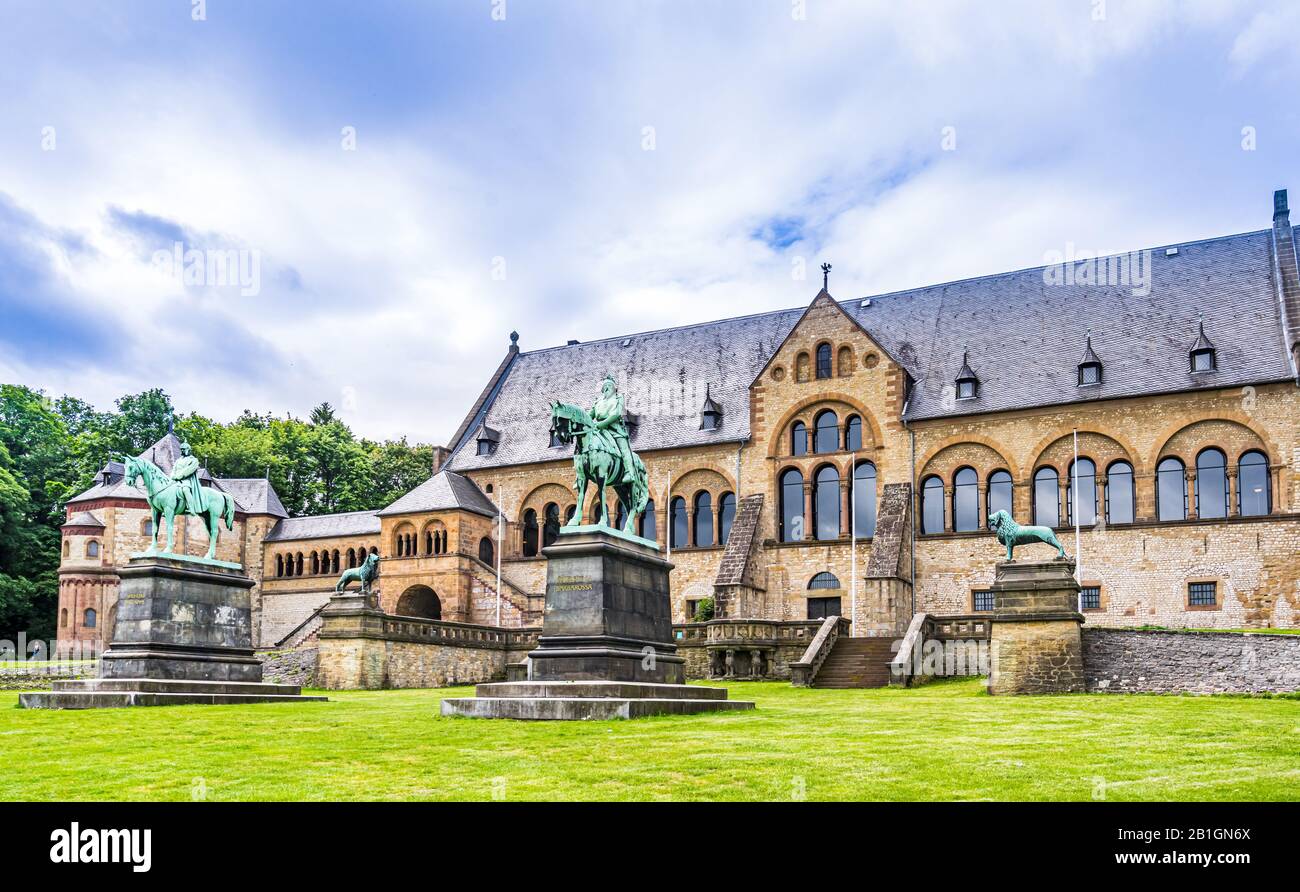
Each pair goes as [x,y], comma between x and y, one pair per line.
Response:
[943,741]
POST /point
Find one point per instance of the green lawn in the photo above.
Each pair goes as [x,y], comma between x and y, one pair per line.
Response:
[940,741]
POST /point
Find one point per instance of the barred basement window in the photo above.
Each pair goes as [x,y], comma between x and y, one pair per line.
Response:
[1202,594]
[982,600]
[1090,596]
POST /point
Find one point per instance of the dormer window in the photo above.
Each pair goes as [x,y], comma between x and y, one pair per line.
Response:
[487,440]
[555,439]
[710,413]
[1202,354]
[1089,367]
[967,384]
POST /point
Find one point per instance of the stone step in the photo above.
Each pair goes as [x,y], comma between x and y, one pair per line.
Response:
[582,708]
[625,690]
[176,686]
[111,699]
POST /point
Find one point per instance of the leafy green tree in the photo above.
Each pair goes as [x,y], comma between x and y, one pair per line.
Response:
[396,468]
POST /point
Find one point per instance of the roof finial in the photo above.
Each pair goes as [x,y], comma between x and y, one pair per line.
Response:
[171,423]
[826,276]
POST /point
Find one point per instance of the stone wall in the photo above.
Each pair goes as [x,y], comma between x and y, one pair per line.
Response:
[289,666]
[1123,661]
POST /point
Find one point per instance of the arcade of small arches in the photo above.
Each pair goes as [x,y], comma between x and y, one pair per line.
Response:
[431,541]
[320,563]
[825,361]
[1196,475]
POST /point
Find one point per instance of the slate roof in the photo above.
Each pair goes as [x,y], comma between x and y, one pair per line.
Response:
[255,495]
[352,523]
[84,519]
[1022,333]
[443,490]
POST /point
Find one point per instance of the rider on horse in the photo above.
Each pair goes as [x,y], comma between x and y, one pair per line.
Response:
[186,474]
[611,429]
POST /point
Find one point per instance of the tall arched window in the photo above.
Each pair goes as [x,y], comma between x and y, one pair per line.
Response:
[853,433]
[864,499]
[1086,472]
[791,506]
[1047,498]
[827,436]
[89,617]
[1120,505]
[352,558]
[966,500]
[530,533]
[1253,496]
[486,553]
[1211,484]
[1000,493]
[932,507]
[315,563]
[550,524]
[1171,490]
[678,525]
[798,438]
[63,618]
[336,561]
[826,502]
[726,516]
[703,519]
[279,565]
[823,360]
[647,522]
[92,549]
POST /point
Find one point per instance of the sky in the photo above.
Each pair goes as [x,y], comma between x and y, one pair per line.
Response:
[393,187]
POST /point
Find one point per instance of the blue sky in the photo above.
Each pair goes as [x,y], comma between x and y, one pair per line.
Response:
[580,170]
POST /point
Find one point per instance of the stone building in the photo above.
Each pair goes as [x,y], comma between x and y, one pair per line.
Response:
[842,458]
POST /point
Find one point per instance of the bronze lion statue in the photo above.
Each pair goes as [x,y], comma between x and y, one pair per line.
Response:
[1011,534]
[365,574]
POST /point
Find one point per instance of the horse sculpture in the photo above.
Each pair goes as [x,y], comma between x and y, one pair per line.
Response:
[597,460]
[1011,534]
[166,500]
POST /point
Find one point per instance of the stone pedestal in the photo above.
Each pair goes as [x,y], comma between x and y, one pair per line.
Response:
[606,648]
[183,635]
[1036,646]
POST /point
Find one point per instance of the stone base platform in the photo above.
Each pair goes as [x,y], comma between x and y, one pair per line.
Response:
[588,700]
[107,693]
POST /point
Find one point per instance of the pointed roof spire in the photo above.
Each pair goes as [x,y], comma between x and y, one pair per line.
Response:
[711,411]
[1088,355]
[1202,342]
[966,373]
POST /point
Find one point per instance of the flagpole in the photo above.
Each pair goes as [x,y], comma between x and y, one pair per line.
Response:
[853,545]
[500,543]
[1074,489]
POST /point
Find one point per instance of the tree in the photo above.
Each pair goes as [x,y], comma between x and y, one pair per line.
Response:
[396,468]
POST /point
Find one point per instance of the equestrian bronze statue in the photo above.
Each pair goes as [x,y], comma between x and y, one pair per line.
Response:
[601,455]
[180,493]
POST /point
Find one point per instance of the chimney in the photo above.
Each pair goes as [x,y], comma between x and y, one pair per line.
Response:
[440,454]
[1287,275]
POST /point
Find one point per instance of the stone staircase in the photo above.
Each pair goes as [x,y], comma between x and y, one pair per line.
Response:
[856,663]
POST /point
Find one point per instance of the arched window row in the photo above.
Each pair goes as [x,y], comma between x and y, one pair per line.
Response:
[826,507]
[1211,490]
[826,435]
[700,521]
[320,562]
[826,361]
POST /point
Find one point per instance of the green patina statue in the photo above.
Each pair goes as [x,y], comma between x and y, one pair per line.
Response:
[365,574]
[1011,534]
[180,493]
[601,454]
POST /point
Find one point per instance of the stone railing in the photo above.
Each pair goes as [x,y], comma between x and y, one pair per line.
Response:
[437,631]
[743,648]
[804,671]
[301,632]
[910,661]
